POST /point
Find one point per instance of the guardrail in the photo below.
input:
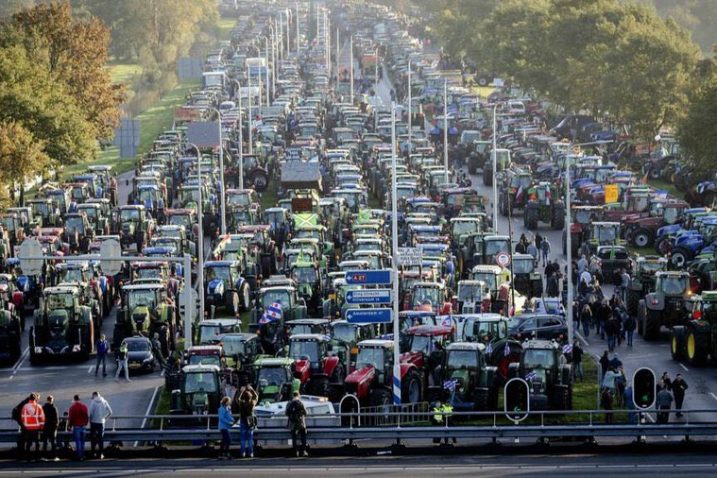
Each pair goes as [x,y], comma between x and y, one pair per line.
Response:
[586,424]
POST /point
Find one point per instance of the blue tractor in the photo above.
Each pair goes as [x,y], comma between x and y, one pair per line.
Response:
[689,244]
[225,286]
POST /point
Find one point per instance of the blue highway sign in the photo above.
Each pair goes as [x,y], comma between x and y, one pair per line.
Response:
[368,296]
[369,277]
[368,316]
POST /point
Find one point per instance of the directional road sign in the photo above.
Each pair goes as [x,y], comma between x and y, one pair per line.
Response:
[409,256]
[110,248]
[369,277]
[30,251]
[368,316]
[368,296]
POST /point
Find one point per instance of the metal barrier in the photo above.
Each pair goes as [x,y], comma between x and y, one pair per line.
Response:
[458,425]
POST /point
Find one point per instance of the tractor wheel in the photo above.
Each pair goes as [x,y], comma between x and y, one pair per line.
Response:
[260,180]
[652,324]
[663,245]
[411,387]
[267,267]
[503,205]
[483,81]
[696,347]
[482,399]
[642,238]
[531,218]
[561,397]
[677,343]
[232,302]
[557,219]
[631,300]
[380,397]
[654,173]
[641,314]
[245,297]
[487,176]
[680,257]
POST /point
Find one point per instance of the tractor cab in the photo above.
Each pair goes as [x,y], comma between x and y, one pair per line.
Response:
[427,296]
[199,391]
[526,279]
[275,381]
[604,233]
[211,331]
[473,296]
[473,381]
[543,366]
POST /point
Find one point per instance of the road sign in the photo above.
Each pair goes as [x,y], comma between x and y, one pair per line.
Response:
[502,259]
[516,399]
[369,277]
[30,251]
[409,256]
[110,248]
[368,316]
[611,193]
[368,296]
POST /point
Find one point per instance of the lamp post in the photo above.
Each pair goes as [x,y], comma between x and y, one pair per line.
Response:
[200,236]
[495,171]
[268,83]
[250,100]
[569,250]
[351,67]
[445,130]
[222,196]
[297,29]
[410,111]
[241,138]
[394,264]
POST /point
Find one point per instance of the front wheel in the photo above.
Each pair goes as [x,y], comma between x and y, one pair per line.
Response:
[642,238]
[411,387]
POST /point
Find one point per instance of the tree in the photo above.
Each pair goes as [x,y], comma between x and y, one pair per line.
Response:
[697,131]
[22,156]
[75,53]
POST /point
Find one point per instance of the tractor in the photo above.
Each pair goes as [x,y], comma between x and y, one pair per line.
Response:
[643,280]
[63,327]
[604,233]
[502,159]
[526,279]
[492,331]
[581,226]
[275,381]
[10,335]
[144,311]
[309,279]
[543,366]
[473,296]
[696,341]
[469,383]
[665,306]
[424,346]
[319,371]
[226,287]
[514,191]
[372,381]
[640,229]
[544,204]
[293,307]
[199,391]
[133,227]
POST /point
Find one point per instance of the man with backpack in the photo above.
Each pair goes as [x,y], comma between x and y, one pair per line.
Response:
[296,411]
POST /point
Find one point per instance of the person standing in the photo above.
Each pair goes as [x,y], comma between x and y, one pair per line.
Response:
[100,411]
[296,411]
[629,325]
[102,347]
[77,418]
[157,350]
[606,404]
[226,421]
[578,361]
[52,421]
[679,386]
[33,422]
[533,251]
[247,421]
[604,364]
[122,362]
[545,250]
[17,417]
[663,402]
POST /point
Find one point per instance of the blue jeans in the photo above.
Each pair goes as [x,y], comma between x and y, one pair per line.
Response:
[630,333]
[611,339]
[586,328]
[226,441]
[101,359]
[246,438]
[78,434]
[97,435]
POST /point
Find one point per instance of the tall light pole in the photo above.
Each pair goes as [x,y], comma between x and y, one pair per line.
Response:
[297,29]
[410,110]
[273,62]
[351,67]
[200,237]
[222,197]
[569,250]
[445,130]
[268,83]
[241,138]
[338,52]
[289,16]
[250,100]
[394,265]
[495,170]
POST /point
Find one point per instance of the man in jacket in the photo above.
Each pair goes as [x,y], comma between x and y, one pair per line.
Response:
[663,402]
[102,347]
[122,363]
[678,389]
[33,421]
[100,410]
[77,419]
[52,420]
[296,412]
[17,416]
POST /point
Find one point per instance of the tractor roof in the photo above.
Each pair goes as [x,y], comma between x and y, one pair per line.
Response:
[386,344]
[540,344]
[468,346]
[200,369]
[430,330]
[310,337]
[273,362]
[709,295]
[131,287]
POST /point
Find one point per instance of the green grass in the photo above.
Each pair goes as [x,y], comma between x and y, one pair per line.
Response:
[163,402]
[669,187]
[224,28]
[268,197]
[124,73]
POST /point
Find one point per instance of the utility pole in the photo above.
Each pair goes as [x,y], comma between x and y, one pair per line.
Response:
[394,264]
[351,67]
[495,171]
[445,130]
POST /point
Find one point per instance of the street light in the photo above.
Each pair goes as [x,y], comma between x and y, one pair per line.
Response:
[569,250]
[250,100]
[410,111]
[297,29]
[268,83]
[222,197]
[241,137]
[495,171]
[394,264]
[445,130]
[200,238]
[351,67]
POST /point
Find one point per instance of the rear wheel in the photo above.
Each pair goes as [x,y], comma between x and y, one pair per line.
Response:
[642,238]
[696,347]
[411,387]
[245,297]
[561,397]
[677,343]
[652,324]
[680,257]
[557,221]
[531,218]
[232,302]
[631,300]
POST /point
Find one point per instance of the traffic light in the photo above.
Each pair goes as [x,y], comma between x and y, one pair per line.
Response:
[516,399]
[644,388]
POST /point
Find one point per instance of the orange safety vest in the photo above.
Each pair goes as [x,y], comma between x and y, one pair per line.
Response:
[33,416]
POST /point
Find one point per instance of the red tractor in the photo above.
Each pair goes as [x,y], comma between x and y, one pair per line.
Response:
[425,348]
[319,371]
[372,381]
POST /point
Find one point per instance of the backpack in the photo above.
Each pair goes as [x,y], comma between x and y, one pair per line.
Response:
[293,411]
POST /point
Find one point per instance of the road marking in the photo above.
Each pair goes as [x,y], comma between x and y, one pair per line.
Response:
[89,370]
[583,339]
[713,395]
[20,361]
[684,368]
[148,411]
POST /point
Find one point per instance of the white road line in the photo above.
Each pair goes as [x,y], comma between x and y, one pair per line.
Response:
[583,339]
[684,368]
[20,361]
[713,395]
[148,411]
[89,370]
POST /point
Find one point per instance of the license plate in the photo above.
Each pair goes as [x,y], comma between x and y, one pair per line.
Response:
[134,365]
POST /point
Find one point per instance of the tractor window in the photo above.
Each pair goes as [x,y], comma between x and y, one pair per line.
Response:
[300,349]
[233,346]
[493,247]
[489,330]
[426,294]
[304,275]
[523,266]
[238,200]
[538,358]
[200,382]
[74,223]
[458,359]
[672,215]
[275,296]
[375,357]
[59,301]
[205,360]
[605,233]
[673,285]
[465,227]
[221,273]
[652,266]
[470,292]
[490,279]
[344,332]
[129,215]
[180,220]
[138,298]
[272,376]
[72,275]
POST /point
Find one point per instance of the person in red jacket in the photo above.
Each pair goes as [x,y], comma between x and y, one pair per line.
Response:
[33,421]
[78,418]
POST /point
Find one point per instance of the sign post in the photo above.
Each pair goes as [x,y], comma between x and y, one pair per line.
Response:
[30,256]
[409,256]
[368,296]
[369,316]
[516,400]
[110,248]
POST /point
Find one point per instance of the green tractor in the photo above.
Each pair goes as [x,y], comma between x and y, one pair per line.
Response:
[275,381]
[643,280]
[292,305]
[144,311]
[469,383]
[665,306]
[308,278]
[526,279]
[543,366]
[63,327]
[696,341]
[10,336]
[513,191]
[544,204]
[199,391]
